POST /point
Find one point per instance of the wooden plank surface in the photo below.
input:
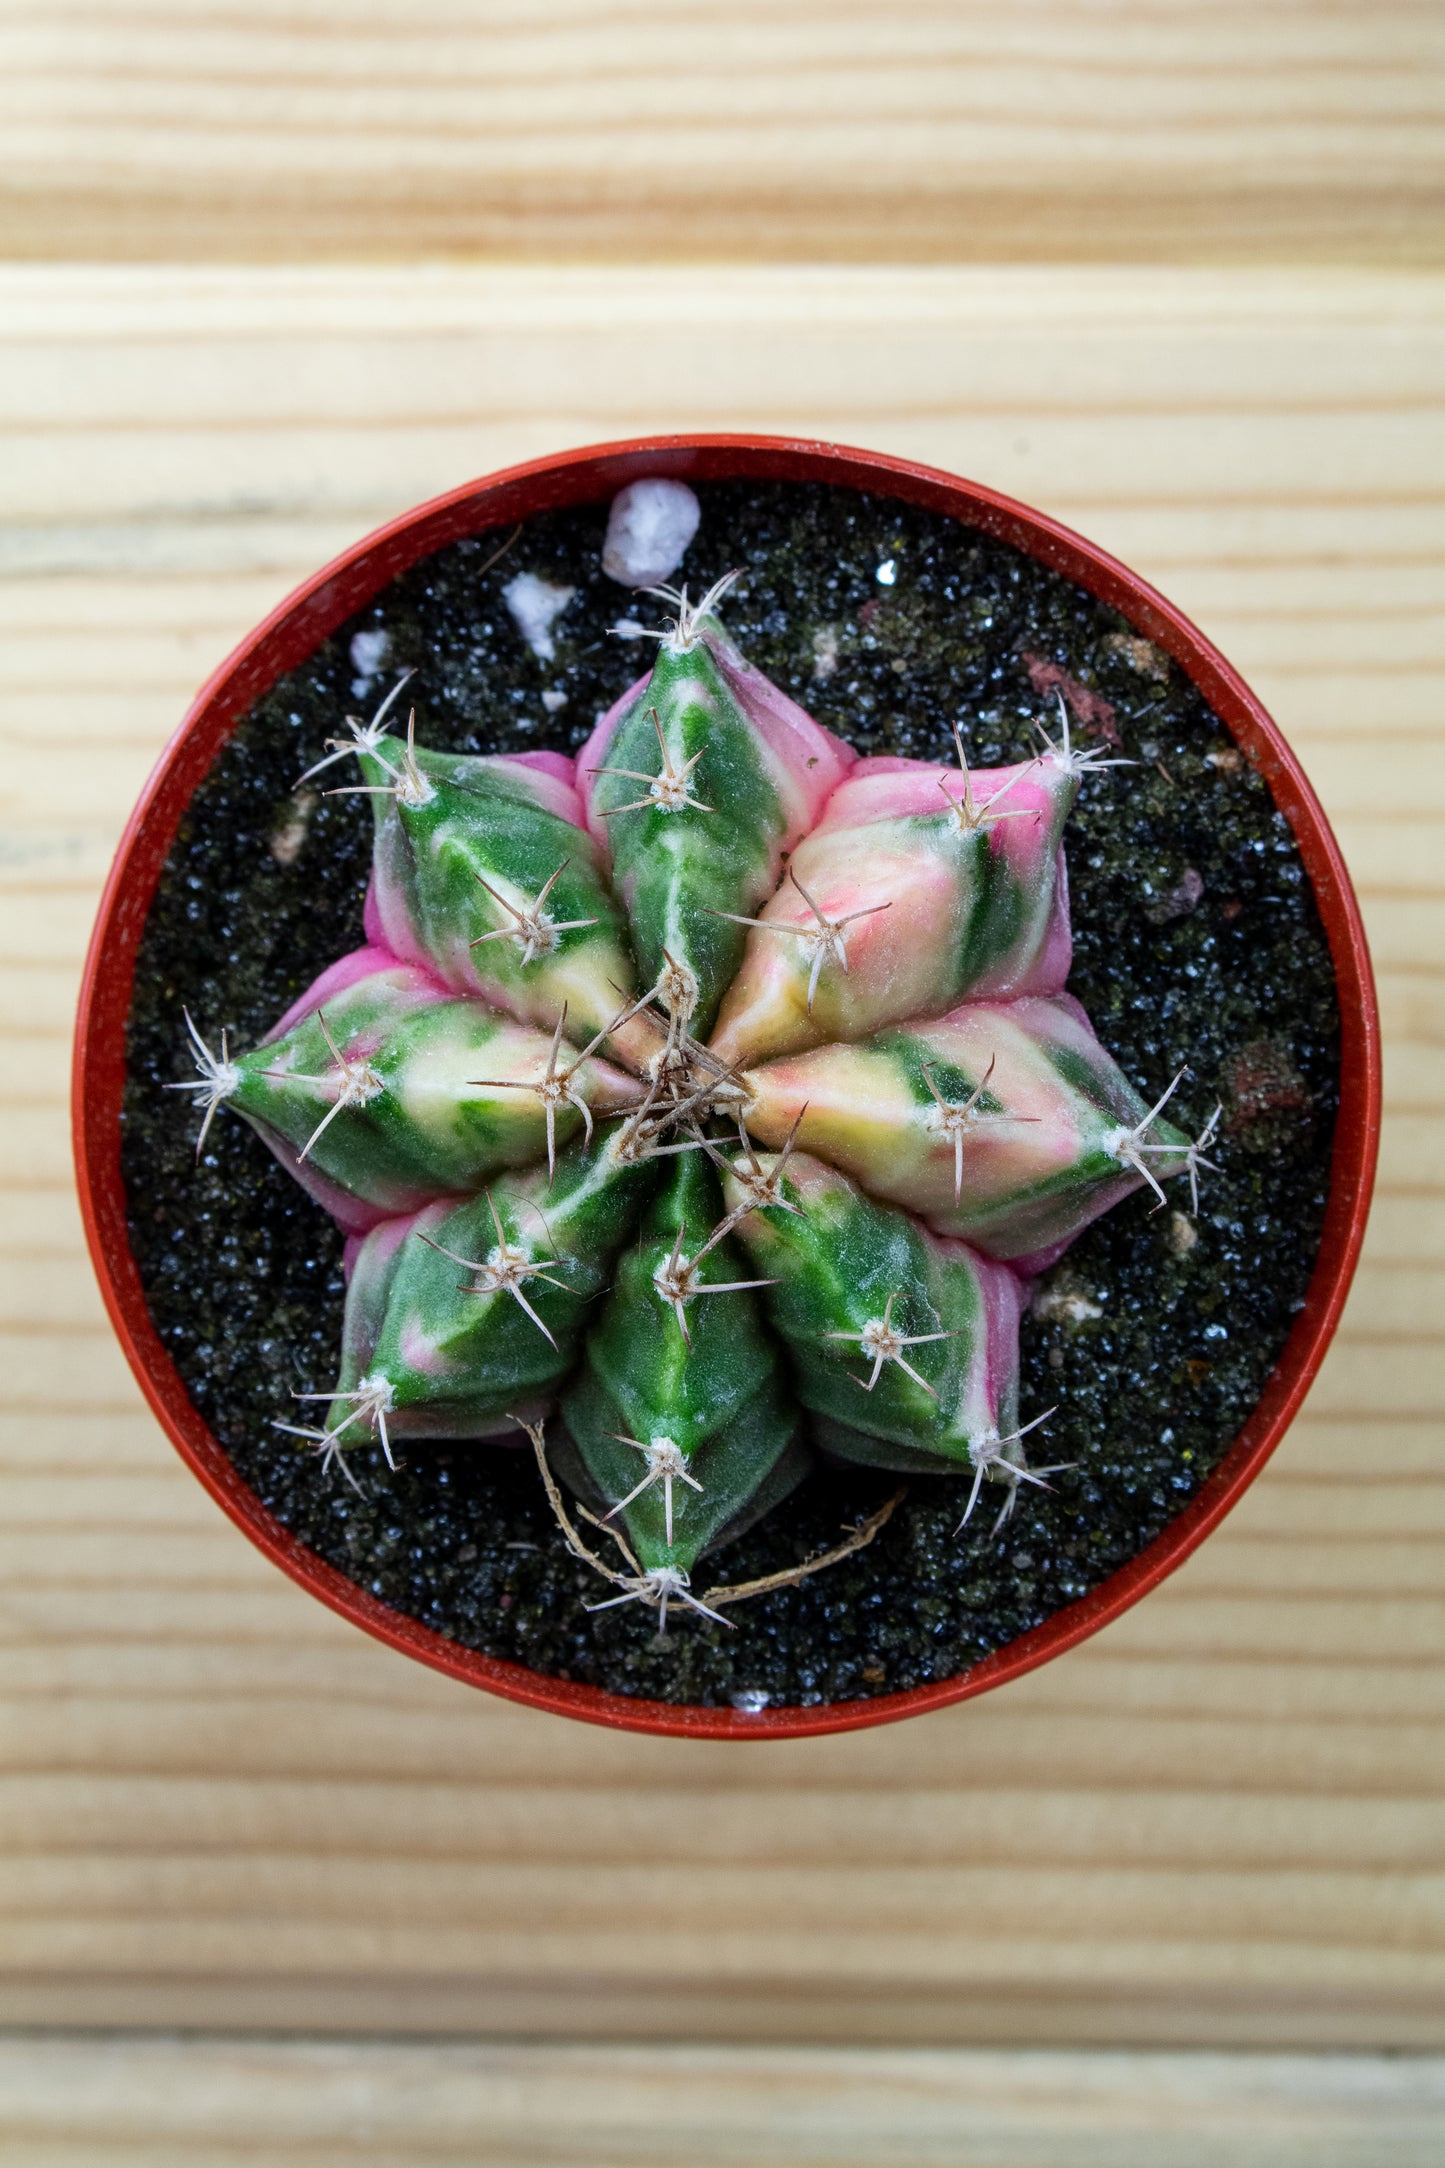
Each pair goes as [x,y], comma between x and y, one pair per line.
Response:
[102,2102]
[1067,130]
[1219,1821]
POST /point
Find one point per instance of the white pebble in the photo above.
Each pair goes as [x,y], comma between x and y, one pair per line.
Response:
[554,701]
[1183,1234]
[368,653]
[887,572]
[535,606]
[1066,1303]
[627,628]
[648,529]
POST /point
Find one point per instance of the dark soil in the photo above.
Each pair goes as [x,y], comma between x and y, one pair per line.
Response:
[1197,938]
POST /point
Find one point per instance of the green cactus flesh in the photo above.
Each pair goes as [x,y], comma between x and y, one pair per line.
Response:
[464,1317]
[890,1331]
[1003,1123]
[706,836]
[484,834]
[696,1370]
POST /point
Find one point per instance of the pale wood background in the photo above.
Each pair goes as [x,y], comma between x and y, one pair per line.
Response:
[88,2102]
[834,130]
[1219,1823]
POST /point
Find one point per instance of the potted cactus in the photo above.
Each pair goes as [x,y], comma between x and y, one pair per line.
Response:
[707,1110]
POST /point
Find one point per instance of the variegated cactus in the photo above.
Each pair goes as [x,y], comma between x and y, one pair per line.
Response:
[717,1093]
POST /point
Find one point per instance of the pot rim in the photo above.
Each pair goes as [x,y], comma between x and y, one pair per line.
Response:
[590,474]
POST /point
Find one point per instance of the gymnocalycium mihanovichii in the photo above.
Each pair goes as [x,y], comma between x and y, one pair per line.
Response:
[699,1105]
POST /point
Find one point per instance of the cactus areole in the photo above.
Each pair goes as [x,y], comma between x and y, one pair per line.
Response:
[709,1104]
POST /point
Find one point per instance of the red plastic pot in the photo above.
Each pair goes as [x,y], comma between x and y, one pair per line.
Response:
[293,631]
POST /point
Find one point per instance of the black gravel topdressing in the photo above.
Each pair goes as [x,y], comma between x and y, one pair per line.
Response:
[1196,938]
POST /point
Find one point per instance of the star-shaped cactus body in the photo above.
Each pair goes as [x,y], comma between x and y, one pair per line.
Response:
[718,1093]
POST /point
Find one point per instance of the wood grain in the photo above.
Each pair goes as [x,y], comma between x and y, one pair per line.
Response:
[118,2103]
[820,130]
[1218,1822]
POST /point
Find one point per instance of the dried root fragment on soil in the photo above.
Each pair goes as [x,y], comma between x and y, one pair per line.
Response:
[659,1585]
